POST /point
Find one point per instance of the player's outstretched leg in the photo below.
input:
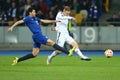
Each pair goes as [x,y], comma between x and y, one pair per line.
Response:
[70,52]
[57,47]
[28,56]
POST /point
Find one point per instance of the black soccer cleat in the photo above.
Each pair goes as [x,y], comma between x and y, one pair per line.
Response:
[86,59]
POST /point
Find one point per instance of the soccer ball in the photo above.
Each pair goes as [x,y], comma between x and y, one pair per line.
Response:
[108,53]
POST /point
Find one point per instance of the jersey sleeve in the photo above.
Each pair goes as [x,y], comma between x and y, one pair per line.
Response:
[26,19]
[38,19]
[61,16]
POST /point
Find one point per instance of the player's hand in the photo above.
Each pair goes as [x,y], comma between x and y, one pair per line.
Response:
[10,29]
[53,29]
[57,21]
[73,19]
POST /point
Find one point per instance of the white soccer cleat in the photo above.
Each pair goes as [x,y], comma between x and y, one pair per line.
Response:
[48,60]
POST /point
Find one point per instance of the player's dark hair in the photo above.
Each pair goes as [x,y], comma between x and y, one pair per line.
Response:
[30,10]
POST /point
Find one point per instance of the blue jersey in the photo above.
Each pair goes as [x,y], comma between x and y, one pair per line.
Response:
[33,24]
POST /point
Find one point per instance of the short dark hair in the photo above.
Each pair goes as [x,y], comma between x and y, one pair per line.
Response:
[30,10]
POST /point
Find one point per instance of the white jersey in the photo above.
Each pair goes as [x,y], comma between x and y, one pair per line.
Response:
[63,25]
[62,30]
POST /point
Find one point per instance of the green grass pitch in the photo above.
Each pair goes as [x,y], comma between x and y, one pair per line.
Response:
[61,68]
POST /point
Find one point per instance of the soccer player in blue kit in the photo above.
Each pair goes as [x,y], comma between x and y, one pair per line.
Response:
[32,22]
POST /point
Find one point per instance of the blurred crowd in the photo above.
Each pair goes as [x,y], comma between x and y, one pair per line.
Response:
[83,10]
[114,20]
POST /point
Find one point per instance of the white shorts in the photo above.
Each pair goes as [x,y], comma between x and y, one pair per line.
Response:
[62,38]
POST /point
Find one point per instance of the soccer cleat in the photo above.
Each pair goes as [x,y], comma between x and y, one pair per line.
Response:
[48,60]
[86,59]
[71,51]
[15,61]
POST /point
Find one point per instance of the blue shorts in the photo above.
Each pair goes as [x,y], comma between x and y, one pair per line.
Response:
[38,40]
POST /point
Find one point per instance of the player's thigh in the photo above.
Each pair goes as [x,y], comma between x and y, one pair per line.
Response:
[75,44]
[61,41]
[71,41]
[50,42]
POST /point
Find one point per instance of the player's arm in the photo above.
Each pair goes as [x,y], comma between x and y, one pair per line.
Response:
[15,24]
[49,21]
[66,17]
[61,17]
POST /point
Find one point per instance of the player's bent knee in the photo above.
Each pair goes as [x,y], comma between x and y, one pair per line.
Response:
[74,44]
[35,54]
[35,51]
[58,52]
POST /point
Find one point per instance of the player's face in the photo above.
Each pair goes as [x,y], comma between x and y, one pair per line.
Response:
[33,13]
[67,13]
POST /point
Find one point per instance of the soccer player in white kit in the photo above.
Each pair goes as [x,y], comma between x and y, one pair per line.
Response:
[63,35]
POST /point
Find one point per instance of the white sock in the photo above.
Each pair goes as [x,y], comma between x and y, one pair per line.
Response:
[77,50]
[53,54]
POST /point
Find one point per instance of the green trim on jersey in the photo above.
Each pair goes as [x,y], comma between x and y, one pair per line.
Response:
[69,25]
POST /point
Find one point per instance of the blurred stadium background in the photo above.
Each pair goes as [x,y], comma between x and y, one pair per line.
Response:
[97,25]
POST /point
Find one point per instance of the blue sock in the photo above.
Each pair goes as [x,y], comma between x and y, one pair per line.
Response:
[28,56]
